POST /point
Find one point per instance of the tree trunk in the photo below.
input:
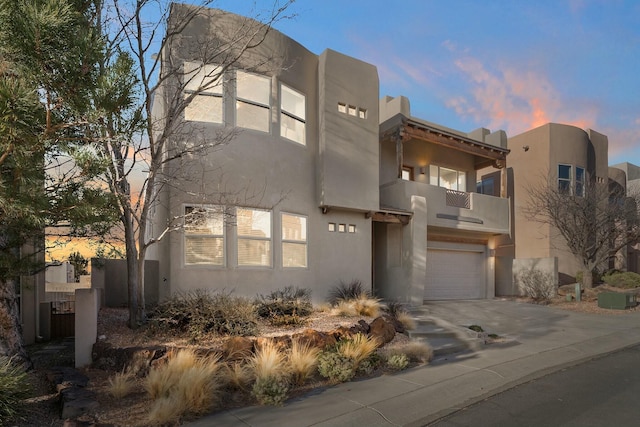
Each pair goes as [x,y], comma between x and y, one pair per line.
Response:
[587,279]
[132,269]
[142,313]
[11,343]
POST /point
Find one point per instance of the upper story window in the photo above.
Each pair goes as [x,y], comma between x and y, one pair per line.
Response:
[205,81]
[570,182]
[564,178]
[254,237]
[292,115]
[407,173]
[203,235]
[450,179]
[294,241]
[253,95]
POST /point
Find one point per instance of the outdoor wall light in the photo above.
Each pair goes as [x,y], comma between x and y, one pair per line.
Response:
[423,170]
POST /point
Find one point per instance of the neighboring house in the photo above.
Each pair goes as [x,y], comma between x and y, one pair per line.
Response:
[627,175]
[552,153]
[312,190]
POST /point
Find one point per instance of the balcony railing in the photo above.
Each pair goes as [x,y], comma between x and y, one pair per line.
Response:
[458,199]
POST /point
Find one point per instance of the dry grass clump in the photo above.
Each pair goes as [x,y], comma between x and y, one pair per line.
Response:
[350,299]
[357,348]
[416,351]
[186,384]
[269,361]
[406,320]
[120,384]
[271,371]
[238,375]
[303,360]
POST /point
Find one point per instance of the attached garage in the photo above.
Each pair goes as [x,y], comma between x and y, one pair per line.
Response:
[455,272]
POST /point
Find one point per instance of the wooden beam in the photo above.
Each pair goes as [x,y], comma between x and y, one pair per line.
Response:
[390,218]
[452,142]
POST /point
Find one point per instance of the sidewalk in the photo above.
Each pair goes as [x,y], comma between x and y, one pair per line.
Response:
[539,340]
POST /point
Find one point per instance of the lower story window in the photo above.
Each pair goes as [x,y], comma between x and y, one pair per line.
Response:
[204,235]
[254,237]
[294,241]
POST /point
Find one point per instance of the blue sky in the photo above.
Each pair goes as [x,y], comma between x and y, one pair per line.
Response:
[510,65]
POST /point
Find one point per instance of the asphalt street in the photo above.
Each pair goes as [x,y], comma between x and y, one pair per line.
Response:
[601,392]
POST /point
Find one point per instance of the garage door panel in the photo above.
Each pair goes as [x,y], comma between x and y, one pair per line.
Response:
[454,274]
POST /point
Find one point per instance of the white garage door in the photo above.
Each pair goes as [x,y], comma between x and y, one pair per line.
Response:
[454,274]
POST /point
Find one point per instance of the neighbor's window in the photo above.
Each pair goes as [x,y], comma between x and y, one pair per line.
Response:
[253,93]
[564,178]
[292,115]
[254,237]
[294,241]
[204,235]
[579,181]
[450,179]
[205,81]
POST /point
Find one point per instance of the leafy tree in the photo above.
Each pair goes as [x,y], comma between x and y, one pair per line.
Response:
[594,225]
[80,265]
[48,55]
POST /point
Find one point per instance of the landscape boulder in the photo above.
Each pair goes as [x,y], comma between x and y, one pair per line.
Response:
[382,329]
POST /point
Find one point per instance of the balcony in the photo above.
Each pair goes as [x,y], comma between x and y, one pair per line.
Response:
[450,209]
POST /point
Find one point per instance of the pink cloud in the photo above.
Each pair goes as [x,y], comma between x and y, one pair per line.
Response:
[515,99]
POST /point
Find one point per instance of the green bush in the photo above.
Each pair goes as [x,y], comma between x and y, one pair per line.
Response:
[596,277]
[14,387]
[271,390]
[627,280]
[347,291]
[286,306]
[202,312]
[335,366]
[398,362]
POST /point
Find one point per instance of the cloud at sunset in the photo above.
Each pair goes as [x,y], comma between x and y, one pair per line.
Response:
[514,99]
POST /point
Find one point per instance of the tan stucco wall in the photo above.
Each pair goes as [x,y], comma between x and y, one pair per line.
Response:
[546,147]
[338,168]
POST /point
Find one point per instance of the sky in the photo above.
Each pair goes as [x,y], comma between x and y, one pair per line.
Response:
[511,65]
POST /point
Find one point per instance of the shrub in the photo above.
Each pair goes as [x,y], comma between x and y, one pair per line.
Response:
[165,410]
[398,362]
[368,365]
[186,383]
[347,291]
[595,276]
[303,360]
[536,284]
[361,306]
[357,348]
[271,390]
[627,280]
[269,361]
[416,351]
[238,375]
[397,311]
[335,366]
[120,384]
[14,387]
[202,312]
[289,301]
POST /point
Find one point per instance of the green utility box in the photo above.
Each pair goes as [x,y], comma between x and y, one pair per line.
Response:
[616,300]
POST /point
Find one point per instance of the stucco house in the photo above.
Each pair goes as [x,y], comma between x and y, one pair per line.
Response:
[321,182]
[552,153]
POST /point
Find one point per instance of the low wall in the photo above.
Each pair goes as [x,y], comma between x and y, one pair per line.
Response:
[546,268]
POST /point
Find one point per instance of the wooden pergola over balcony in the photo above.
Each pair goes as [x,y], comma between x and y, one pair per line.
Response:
[485,155]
